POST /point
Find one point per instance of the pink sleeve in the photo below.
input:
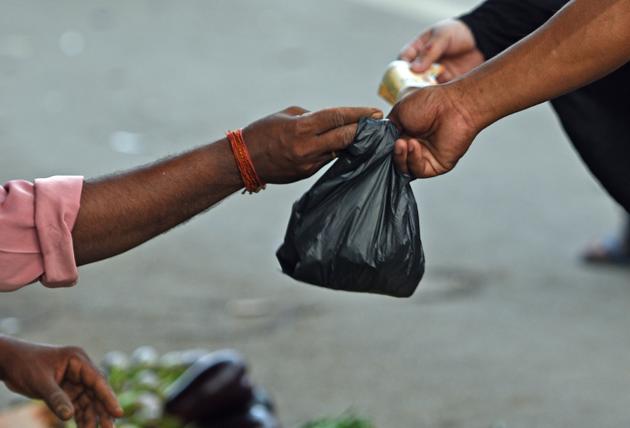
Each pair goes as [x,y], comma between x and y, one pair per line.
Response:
[36,222]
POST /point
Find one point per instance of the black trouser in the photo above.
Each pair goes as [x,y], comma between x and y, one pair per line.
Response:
[596,118]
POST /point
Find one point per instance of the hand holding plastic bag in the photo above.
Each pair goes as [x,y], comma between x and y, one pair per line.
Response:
[357,228]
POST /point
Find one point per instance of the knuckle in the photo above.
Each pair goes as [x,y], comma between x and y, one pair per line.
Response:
[298,152]
[305,169]
[73,351]
[76,353]
[303,126]
[294,110]
[347,136]
[338,118]
[407,52]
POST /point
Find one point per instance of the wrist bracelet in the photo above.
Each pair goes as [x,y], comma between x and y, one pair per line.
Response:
[253,183]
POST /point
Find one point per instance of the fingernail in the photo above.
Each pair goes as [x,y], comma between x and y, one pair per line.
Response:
[398,151]
[416,65]
[377,115]
[65,412]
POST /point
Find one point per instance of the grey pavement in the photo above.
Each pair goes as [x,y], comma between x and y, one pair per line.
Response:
[507,330]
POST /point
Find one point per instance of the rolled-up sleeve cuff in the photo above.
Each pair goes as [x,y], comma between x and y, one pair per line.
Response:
[57,203]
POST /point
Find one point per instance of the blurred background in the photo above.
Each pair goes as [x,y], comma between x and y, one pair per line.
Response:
[508,329]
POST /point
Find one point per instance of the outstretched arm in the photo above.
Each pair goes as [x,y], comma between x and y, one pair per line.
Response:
[583,42]
[462,44]
[498,24]
[49,227]
[122,211]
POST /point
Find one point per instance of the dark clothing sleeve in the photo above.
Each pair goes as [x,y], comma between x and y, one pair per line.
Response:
[498,24]
[596,118]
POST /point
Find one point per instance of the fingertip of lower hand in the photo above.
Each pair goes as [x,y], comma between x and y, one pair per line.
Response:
[64,412]
[112,407]
[117,410]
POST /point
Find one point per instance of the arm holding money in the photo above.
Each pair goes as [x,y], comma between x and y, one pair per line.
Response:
[582,43]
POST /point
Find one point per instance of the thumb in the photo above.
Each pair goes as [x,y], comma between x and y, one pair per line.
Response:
[431,53]
[394,116]
[56,399]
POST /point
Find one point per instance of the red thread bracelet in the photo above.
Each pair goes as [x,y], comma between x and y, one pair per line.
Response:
[253,183]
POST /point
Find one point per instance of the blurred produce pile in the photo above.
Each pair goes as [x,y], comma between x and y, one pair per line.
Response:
[195,389]
[187,389]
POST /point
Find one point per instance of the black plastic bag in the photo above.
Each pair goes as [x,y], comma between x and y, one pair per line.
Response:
[357,228]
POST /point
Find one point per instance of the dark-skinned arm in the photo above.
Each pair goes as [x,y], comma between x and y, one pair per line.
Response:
[122,211]
[585,41]
[582,43]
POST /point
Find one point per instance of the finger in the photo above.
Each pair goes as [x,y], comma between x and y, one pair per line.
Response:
[393,116]
[94,380]
[410,51]
[73,371]
[83,402]
[72,390]
[431,53]
[78,418]
[79,410]
[105,420]
[89,415]
[400,156]
[423,40]
[445,76]
[89,418]
[334,141]
[56,399]
[331,118]
[415,161]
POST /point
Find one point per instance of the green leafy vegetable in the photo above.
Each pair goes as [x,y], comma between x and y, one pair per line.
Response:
[347,421]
